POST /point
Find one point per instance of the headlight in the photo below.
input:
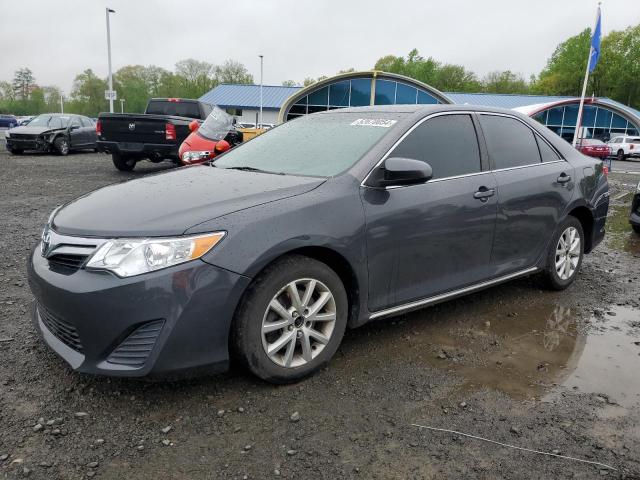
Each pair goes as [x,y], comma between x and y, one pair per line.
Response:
[638,188]
[7,134]
[134,256]
[188,157]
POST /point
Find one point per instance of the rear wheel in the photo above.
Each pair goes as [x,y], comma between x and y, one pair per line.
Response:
[61,144]
[122,163]
[291,320]
[15,151]
[565,254]
[636,228]
[620,155]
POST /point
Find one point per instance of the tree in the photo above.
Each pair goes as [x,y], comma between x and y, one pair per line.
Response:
[504,82]
[232,71]
[564,72]
[195,78]
[23,83]
[289,83]
[87,94]
[308,81]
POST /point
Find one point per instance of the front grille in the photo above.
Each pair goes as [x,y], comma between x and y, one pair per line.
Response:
[67,261]
[63,331]
[23,136]
[137,347]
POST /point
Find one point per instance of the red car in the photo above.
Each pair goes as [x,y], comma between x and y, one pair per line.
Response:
[209,139]
[594,148]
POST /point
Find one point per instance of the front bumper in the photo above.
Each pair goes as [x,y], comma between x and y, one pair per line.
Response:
[27,144]
[156,324]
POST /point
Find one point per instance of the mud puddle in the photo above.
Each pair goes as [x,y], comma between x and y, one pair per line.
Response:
[619,231]
[524,352]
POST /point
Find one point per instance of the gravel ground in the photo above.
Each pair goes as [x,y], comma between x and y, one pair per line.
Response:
[549,371]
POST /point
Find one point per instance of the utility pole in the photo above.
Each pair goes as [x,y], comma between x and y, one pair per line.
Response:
[261,71]
[61,103]
[108,11]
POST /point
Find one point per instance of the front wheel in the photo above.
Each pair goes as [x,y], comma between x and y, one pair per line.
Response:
[291,320]
[122,163]
[565,254]
[61,144]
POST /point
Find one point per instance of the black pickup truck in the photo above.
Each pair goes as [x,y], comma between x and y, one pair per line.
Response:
[155,135]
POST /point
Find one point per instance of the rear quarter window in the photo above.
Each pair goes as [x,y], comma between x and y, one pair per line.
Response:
[510,143]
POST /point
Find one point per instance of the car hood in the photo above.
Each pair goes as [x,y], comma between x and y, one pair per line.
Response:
[27,130]
[170,203]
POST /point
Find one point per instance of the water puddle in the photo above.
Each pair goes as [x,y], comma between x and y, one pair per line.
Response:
[524,352]
[619,231]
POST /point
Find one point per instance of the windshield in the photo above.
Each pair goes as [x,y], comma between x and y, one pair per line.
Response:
[315,145]
[217,125]
[53,121]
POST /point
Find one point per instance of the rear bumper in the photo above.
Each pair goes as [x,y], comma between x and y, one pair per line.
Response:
[139,150]
[163,323]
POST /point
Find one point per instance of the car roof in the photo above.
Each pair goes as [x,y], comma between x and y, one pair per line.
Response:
[424,109]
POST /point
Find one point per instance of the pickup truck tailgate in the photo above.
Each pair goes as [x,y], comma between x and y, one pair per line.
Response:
[135,129]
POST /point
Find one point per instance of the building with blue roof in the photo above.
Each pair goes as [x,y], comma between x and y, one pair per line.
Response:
[602,118]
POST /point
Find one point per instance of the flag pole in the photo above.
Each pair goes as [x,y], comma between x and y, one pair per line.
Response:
[584,84]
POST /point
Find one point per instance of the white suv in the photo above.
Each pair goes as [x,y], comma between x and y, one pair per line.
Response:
[624,146]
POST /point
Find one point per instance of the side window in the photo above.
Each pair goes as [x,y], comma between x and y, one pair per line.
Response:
[86,122]
[74,121]
[547,153]
[448,143]
[509,142]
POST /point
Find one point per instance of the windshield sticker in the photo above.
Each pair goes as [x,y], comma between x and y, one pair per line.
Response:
[373,122]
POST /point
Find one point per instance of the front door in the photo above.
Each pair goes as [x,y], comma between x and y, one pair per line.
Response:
[431,238]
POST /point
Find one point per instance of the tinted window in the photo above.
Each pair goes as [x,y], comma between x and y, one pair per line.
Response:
[86,122]
[510,143]
[547,153]
[174,107]
[448,143]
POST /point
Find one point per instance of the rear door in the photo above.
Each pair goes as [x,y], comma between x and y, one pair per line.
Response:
[76,134]
[535,186]
[430,238]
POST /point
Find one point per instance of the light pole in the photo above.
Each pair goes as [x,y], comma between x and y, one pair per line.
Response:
[108,11]
[61,103]
[261,70]
[122,105]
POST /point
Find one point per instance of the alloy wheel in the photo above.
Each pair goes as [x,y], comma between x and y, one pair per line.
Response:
[567,253]
[298,322]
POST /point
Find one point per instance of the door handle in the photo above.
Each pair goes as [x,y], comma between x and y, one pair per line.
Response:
[564,178]
[484,193]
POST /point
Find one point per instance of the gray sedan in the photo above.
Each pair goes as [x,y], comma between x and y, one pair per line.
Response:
[326,222]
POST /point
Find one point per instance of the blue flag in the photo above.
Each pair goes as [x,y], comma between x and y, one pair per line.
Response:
[595,44]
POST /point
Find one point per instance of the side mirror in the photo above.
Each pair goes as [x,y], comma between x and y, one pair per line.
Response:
[404,171]
[221,146]
[194,125]
[74,127]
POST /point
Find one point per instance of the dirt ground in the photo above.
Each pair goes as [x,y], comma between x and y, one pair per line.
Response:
[549,371]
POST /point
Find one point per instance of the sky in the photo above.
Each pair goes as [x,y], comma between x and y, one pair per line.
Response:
[298,38]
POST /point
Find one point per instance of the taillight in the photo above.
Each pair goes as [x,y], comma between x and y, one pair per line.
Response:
[170,131]
[99,127]
[605,170]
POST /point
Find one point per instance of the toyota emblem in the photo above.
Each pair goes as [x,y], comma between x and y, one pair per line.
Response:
[132,126]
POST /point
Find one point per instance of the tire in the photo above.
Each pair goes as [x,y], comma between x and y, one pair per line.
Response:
[16,151]
[620,155]
[124,164]
[558,278]
[61,144]
[636,228]
[292,361]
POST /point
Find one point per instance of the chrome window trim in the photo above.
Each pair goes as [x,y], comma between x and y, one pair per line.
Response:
[444,296]
[404,135]
[528,166]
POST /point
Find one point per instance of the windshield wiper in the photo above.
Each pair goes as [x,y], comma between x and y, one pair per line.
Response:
[253,169]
